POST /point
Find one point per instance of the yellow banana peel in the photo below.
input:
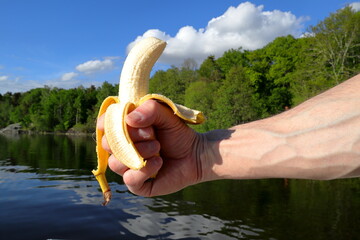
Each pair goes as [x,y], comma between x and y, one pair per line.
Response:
[133,91]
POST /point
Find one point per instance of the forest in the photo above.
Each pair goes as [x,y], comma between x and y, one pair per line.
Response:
[238,87]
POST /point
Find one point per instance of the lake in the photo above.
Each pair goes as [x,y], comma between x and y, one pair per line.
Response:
[47,191]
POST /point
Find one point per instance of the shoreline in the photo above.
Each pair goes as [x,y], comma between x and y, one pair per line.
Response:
[16,129]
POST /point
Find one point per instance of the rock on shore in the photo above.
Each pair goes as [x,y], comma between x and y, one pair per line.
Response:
[12,129]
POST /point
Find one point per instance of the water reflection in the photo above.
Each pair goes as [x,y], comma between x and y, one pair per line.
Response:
[172,225]
[48,191]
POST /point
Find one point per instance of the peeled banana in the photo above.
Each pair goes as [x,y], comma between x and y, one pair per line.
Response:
[133,91]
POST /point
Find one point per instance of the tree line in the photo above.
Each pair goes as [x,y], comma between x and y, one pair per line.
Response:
[238,87]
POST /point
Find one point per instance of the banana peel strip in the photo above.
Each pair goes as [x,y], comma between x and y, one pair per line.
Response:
[188,115]
[103,155]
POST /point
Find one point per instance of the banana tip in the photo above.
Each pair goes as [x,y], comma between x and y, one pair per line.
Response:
[107,198]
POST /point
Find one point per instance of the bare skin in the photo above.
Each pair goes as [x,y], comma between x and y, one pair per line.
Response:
[318,139]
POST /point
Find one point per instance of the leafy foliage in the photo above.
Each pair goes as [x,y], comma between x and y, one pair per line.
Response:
[235,103]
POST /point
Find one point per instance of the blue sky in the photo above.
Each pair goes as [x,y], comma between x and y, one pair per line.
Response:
[68,43]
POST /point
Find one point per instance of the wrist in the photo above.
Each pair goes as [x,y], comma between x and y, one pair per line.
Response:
[244,152]
[210,155]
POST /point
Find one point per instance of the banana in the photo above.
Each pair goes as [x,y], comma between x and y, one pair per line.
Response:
[133,91]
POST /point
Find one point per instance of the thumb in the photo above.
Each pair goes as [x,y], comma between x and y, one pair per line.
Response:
[151,113]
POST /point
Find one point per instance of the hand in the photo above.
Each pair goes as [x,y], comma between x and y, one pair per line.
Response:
[155,129]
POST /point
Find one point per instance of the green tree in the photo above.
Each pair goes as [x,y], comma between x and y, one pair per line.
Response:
[327,56]
[169,83]
[210,70]
[337,44]
[6,107]
[30,103]
[200,96]
[270,71]
[232,58]
[88,115]
[308,79]
[188,72]
[106,90]
[234,103]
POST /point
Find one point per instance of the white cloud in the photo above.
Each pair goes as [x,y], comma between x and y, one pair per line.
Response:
[69,76]
[4,78]
[17,84]
[93,66]
[83,75]
[355,6]
[247,26]
[307,34]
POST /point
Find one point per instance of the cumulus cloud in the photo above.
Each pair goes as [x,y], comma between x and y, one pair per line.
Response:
[93,66]
[83,74]
[11,84]
[355,6]
[4,78]
[69,76]
[247,26]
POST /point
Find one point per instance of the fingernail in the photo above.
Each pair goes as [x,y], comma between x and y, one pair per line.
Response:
[135,116]
[144,134]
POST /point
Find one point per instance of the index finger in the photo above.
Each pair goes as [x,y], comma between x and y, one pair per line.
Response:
[136,134]
[100,122]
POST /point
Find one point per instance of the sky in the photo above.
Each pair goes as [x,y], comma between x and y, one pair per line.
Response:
[72,43]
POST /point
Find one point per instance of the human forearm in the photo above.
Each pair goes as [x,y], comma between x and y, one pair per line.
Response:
[319,139]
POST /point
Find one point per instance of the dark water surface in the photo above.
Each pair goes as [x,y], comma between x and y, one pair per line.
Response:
[47,191]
